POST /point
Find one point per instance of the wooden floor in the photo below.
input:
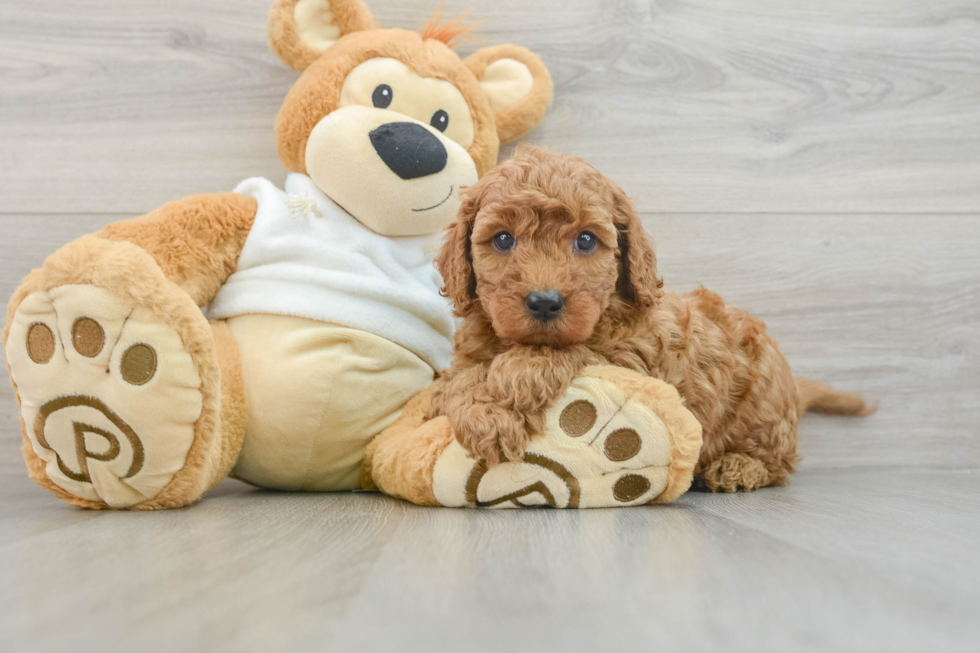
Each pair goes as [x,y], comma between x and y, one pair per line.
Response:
[815,163]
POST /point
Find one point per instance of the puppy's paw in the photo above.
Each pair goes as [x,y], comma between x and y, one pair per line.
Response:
[734,472]
[491,433]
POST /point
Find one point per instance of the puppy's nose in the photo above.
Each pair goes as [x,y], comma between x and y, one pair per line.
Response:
[409,149]
[545,305]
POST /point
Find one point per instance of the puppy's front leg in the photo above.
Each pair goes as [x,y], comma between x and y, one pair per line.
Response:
[495,408]
[482,424]
[526,380]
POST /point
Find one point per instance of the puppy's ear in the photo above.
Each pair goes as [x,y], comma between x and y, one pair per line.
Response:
[301,30]
[638,282]
[455,260]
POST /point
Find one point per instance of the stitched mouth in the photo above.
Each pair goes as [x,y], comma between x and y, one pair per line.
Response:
[435,206]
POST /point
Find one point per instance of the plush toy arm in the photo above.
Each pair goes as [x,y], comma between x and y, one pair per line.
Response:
[613,438]
[483,426]
[196,241]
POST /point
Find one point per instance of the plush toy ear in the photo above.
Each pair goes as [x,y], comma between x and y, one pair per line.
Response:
[301,30]
[516,83]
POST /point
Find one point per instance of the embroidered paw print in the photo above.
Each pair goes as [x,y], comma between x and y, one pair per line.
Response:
[579,418]
[627,444]
[603,446]
[109,395]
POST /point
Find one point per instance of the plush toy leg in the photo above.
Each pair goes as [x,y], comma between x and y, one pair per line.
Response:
[616,438]
[401,460]
[128,397]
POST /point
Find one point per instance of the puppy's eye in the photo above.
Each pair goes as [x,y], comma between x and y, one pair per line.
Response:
[504,242]
[585,242]
[440,120]
[382,96]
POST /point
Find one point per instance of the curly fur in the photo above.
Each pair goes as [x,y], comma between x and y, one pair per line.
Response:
[508,368]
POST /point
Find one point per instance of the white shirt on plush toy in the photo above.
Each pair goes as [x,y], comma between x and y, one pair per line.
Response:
[306,256]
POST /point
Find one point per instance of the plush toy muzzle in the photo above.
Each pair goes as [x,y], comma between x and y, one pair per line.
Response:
[394,174]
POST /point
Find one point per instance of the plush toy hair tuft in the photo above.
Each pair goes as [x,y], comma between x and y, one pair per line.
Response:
[453,32]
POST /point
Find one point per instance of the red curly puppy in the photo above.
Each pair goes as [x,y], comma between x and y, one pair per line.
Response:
[550,270]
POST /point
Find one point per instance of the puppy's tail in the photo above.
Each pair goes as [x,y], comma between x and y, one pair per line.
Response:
[821,398]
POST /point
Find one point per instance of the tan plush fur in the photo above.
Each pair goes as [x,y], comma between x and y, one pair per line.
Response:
[131,274]
[508,367]
[525,114]
[686,438]
[401,460]
[35,469]
[349,15]
[196,241]
[234,404]
[176,258]
[317,92]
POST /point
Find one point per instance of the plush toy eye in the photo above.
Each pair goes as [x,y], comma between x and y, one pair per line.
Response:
[382,96]
[440,120]
[504,241]
[585,242]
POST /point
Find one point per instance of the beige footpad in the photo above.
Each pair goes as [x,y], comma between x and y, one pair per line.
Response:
[96,377]
[616,438]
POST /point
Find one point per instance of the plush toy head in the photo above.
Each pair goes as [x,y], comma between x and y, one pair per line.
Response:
[389,123]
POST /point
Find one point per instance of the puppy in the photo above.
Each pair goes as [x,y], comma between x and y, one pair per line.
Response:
[550,270]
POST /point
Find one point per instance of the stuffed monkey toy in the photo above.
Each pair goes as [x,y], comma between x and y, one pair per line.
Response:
[272,335]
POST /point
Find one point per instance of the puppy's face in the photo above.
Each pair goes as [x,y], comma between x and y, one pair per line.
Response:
[544,247]
[545,268]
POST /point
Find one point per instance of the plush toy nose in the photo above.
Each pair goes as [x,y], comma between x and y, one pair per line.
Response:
[544,306]
[409,149]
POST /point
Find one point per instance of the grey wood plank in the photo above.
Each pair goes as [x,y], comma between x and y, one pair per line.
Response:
[838,560]
[694,105]
[886,305]
[886,520]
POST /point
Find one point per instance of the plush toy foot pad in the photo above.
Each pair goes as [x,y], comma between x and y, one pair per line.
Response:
[616,438]
[110,397]
[96,377]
